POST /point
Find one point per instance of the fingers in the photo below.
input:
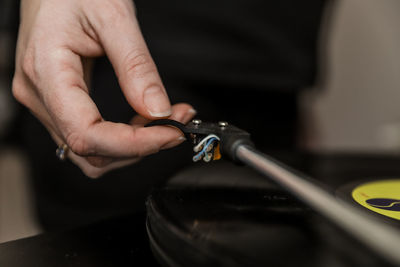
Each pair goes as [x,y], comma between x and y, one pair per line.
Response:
[85,132]
[96,166]
[121,140]
[119,32]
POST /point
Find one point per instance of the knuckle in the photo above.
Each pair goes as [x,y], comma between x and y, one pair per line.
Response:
[116,11]
[138,150]
[138,65]
[28,67]
[141,148]
[93,172]
[19,91]
[78,144]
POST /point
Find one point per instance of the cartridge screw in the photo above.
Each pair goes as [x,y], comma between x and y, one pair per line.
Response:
[223,124]
[196,122]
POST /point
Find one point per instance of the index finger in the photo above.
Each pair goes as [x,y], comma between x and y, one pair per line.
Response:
[120,35]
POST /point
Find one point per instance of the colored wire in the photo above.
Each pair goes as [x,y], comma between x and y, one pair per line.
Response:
[197,147]
[210,141]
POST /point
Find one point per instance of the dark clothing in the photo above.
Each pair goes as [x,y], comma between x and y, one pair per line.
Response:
[240,61]
[254,44]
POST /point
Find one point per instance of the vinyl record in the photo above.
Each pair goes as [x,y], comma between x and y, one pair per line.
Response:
[226,215]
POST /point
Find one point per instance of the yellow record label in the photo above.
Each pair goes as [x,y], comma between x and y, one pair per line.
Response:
[383,197]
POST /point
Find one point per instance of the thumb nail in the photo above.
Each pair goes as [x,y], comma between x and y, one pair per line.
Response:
[157,102]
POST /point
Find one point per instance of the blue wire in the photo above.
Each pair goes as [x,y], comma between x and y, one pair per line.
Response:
[205,147]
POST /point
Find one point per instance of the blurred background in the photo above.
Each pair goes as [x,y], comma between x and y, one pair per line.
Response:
[352,109]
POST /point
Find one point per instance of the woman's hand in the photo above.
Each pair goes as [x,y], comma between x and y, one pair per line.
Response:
[57,39]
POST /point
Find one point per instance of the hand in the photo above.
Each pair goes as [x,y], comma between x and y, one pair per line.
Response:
[57,39]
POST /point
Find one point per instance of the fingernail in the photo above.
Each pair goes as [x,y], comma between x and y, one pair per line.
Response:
[176,142]
[157,102]
[189,115]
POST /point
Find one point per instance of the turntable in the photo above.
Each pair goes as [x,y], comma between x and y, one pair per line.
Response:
[220,213]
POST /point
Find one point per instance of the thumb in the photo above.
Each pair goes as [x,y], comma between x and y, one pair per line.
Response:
[122,40]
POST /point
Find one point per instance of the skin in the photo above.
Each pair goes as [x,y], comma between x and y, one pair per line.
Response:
[57,42]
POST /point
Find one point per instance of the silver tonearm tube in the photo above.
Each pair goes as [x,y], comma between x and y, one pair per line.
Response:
[382,238]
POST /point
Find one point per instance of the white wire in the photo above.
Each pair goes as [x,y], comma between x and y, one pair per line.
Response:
[197,147]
